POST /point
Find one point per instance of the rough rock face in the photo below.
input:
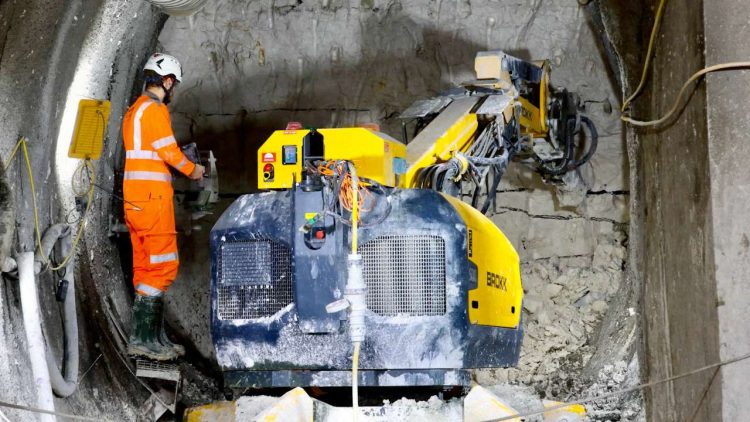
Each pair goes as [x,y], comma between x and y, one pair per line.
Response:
[252,66]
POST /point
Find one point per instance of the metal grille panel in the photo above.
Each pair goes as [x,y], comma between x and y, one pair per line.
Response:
[255,279]
[405,275]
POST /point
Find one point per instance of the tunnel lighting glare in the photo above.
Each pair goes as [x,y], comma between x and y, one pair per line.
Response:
[65,166]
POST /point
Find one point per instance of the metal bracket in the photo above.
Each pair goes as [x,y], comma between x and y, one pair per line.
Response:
[162,399]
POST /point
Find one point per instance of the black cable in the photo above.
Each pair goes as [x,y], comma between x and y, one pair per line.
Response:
[568,162]
[593,143]
[424,176]
[486,154]
[562,166]
[498,173]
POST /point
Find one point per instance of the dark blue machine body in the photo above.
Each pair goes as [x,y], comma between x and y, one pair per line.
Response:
[271,282]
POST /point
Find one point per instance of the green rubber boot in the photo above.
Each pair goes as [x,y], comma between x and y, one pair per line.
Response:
[144,338]
[164,339]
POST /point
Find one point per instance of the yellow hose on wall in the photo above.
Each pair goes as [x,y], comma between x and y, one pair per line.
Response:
[89,166]
[649,54]
[685,86]
[693,78]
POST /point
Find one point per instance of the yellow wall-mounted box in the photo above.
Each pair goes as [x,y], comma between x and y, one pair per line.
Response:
[90,128]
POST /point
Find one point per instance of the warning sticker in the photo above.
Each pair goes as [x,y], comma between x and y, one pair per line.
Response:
[269,157]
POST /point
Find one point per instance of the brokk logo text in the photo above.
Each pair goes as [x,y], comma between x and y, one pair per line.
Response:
[497,281]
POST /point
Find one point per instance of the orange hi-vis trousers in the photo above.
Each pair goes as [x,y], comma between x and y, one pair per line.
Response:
[150,147]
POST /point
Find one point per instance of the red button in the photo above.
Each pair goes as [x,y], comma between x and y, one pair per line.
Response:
[320,234]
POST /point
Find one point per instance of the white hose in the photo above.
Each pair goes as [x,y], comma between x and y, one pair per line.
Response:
[34,338]
[355,293]
[64,386]
[179,7]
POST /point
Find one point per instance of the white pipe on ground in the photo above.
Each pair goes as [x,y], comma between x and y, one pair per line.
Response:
[179,7]
[33,327]
[63,386]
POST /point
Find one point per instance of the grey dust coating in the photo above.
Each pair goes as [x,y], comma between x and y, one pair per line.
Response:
[254,66]
[255,279]
[251,66]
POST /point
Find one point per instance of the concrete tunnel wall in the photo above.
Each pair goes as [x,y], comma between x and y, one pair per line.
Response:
[726,34]
[689,204]
[48,51]
[42,44]
[679,290]
[108,42]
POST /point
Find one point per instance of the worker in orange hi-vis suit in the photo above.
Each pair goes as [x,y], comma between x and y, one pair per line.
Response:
[150,149]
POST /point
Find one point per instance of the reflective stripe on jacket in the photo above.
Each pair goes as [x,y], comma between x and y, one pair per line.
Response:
[150,148]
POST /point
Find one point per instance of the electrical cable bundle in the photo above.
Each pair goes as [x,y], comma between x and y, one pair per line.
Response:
[487,157]
[338,189]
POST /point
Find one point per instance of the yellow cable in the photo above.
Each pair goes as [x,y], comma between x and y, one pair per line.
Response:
[675,106]
[355,215]
[649,54]
[355,392]
[33,196]
[13,154]
[92,171]
[651,42]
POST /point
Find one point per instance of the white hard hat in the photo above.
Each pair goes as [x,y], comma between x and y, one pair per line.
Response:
[164,64]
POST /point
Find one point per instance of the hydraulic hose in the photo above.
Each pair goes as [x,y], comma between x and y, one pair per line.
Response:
[567,152]
[568,162]
[63,386]
[499,164]
[593,143]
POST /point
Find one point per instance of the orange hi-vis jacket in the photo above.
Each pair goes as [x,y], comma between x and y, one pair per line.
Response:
[150,148]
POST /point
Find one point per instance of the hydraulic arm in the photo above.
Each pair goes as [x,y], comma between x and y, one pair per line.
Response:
[464,139]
